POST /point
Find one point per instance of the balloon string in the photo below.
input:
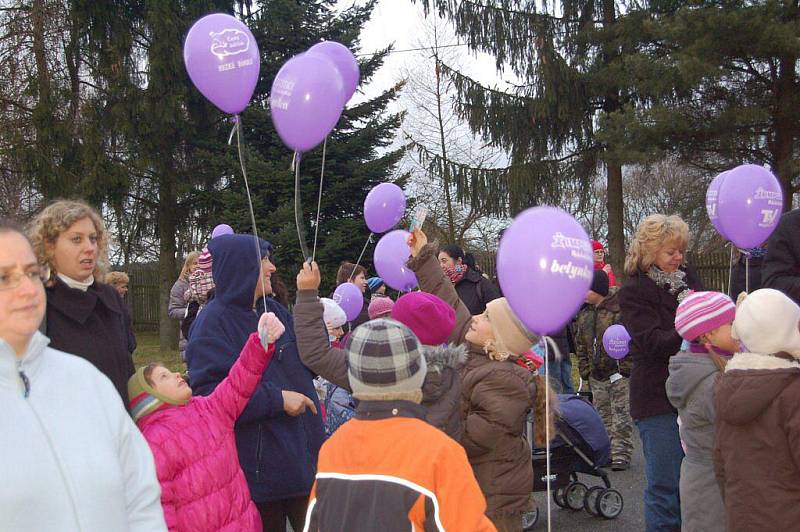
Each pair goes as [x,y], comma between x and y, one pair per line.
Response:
[297,214]
[319,198]
[730,271]
[747,273]
[358,262]
[238,128]
[547,426]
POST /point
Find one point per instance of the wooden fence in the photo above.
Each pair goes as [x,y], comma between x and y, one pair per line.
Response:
[144,300]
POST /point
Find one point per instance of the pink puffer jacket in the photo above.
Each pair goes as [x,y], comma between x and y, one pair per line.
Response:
[203,487]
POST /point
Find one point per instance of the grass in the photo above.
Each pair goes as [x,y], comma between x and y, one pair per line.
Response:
[148,350]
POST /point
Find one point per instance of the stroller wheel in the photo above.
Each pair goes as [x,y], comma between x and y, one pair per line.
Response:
[574,495]
[558,497]
[610,503]
[529,520]
[590,500]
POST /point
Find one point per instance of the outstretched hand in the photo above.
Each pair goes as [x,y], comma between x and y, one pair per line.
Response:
[416,241]
[308,278]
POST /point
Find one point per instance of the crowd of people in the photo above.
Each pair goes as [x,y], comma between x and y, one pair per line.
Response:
[413,415]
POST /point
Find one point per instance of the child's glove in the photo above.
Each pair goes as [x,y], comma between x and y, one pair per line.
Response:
[270,329]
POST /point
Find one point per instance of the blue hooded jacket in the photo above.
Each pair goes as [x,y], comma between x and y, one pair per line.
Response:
[277,452]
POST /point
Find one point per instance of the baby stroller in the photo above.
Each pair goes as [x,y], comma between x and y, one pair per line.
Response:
[581,446]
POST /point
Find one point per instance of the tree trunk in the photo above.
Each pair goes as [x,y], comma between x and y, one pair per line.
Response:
[615,209]
[167,328]
[614,200]
[785,125]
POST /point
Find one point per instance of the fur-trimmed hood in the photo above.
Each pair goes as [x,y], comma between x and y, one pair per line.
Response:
[750,385]
[445,356]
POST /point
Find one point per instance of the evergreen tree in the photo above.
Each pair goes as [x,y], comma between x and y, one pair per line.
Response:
[567,56]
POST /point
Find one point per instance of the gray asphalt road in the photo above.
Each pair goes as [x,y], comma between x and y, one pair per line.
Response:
[630,483]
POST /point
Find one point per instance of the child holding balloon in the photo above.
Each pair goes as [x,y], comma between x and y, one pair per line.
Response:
[497,393]
[607,376]
[704,320]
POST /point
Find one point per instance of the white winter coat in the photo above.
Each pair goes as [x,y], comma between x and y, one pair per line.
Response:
[71,458]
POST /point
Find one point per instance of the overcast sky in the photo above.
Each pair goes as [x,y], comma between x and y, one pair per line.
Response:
[399,22]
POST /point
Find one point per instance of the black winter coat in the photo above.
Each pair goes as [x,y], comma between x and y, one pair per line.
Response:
[93,325]
[648,313]
[781,269]
[475,291]
[739,274]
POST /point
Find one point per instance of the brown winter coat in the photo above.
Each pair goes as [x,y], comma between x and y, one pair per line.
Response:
[495,399]
[757,449]
[441,389]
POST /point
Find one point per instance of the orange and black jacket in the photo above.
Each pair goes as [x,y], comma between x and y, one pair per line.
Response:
[388,470]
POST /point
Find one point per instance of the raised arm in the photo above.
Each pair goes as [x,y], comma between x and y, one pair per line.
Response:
[433,280]
[315,349]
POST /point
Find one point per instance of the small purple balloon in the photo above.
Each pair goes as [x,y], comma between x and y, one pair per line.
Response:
[384,206]
[617,341]
[345,62]
[306,101]
[391,256]
[222,59]
[712,197]
[545,265]
[749,205]
[221,229]
[349,297]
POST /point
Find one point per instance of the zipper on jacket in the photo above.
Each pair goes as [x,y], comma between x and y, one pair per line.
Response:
[26,383]
[258,453]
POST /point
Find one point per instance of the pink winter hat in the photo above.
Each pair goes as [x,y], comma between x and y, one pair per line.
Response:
[702,312]
[380,307]
[204,261]
[431,319]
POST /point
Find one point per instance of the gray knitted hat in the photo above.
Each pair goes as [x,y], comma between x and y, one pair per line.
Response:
[385,362]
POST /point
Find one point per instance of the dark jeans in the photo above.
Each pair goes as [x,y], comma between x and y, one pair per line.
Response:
[663,454]
[275,513]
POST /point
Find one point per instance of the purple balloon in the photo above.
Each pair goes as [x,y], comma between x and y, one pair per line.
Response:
[349,297]
[221,229]
[545,266]
[749,205]
[391,256]
[306,101]
[383,207]
[345,62]
[712,197]
[222,59]
[617,341]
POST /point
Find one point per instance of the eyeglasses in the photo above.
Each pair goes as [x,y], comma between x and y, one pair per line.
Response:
[10,281]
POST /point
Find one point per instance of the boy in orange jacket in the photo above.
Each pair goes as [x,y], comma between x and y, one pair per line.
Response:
[387,469]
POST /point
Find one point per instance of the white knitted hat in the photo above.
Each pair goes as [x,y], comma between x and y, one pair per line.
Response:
[333,314]
[768,322]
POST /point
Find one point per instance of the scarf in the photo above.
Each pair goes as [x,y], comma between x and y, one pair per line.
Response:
[83,286]
[456,273]
[674,283]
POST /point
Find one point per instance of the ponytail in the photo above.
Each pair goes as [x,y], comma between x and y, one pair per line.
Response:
[542,422]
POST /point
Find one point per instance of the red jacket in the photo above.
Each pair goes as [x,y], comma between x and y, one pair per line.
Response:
[203,487]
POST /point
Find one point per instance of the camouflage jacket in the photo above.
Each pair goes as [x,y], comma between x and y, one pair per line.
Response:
[588,328]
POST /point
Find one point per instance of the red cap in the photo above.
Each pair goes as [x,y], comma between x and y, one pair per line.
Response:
[596,245]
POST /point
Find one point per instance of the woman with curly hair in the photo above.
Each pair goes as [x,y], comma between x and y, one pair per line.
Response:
[657,281]
[84,317]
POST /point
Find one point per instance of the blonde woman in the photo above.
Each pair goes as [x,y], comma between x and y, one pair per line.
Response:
[120,282]
[657,280]
[178,296]
[84,317]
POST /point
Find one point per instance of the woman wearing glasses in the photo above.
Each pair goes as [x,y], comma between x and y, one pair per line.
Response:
[70,455]
[84,317]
